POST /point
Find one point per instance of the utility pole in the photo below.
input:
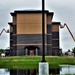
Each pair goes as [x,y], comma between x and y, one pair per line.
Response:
[43,33]
[43,66]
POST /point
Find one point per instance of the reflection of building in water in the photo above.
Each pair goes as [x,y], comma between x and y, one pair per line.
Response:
[23,72]
[69,69]
[32,72]
[4,72]
[54,71]
[26,33]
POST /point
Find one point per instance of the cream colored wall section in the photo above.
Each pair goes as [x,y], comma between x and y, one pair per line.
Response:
[29,29]
[33,18]
[55,28]
[29,18]
[33,28]
[30,23]
[11,29]
[14,20]
[20,28]
[20,18]
[49,19]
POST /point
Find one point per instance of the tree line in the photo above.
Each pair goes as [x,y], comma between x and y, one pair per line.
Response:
[2,51]
[73,51]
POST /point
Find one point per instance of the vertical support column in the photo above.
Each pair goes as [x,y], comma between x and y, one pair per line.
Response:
[26,51]
[17,53]
[36,51]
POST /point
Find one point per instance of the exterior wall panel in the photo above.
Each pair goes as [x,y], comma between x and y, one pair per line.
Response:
[49,39]
[55,51]
[55,35]
[49,29]
[29,29]
[55,43]
[30,39]
[11,28]
[30,23]
[11,35]
[14,20]
[29,18]
[14,39]
[49,50]
[14,29]
[49,19]
[14,50]
[55,28]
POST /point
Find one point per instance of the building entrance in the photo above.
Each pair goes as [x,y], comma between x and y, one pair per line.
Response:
[31,50]
[32,53]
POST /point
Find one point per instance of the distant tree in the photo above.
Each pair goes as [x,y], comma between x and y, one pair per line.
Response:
[60,53]
[69,50]
[66,53]
[73,50]
[1,51]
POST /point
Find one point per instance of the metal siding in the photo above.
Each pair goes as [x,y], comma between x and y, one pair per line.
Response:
[49,29]
[30,39]
[14,39]
[55,43]
[14,29]
[55,51]
[49,39]
[55,35]
[49,50]
[14,50]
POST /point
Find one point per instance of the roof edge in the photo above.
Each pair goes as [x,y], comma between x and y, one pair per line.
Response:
[57,23]
[30,11]
[10,23]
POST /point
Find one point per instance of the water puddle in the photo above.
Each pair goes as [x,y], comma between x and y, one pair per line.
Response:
[63,70]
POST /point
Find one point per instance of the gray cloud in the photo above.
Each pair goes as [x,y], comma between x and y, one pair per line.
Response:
[4,40]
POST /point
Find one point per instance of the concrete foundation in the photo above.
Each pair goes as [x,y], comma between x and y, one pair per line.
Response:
[43,68]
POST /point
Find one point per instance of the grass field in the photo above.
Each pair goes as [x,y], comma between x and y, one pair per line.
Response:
[31,62]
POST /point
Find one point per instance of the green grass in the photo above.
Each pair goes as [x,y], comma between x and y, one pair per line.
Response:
[31,62]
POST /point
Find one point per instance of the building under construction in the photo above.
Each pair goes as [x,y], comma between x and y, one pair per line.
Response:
[26,33]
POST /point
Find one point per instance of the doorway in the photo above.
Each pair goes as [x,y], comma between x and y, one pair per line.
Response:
[31,50]
[31,53]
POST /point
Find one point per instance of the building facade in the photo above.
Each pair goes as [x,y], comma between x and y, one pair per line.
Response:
[26,33]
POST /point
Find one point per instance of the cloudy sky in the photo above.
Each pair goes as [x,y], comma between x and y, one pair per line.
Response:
[64,12]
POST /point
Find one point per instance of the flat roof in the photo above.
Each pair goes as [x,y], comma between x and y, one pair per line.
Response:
[10,23]
[57,23]
[30,11]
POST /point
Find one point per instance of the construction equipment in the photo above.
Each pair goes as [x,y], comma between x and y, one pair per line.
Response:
[7,31]
[62,26]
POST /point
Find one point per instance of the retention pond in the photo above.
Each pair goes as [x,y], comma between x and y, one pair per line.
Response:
[62,70]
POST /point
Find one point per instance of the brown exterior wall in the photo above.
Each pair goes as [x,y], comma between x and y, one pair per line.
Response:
[30,24]
[11,29]
[55,28]
[49,19]
[27,31]
[14,20]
